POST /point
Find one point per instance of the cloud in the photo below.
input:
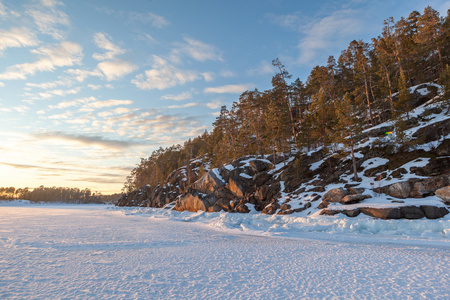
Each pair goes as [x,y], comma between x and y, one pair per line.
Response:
[187,105]
[329,32]
[17,37]
[263,68]
[163,76]
[291,21]
[90,103]
[231,89]
[214,105]
[87,140]
[116,69]
[61,55]
[198,50]
[154,19]
[48,18]
[103,41]
[106,103]
[80,75]
[178,97]
[51,93]
[50,85]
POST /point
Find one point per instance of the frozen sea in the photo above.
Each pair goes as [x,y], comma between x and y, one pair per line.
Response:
[103,252]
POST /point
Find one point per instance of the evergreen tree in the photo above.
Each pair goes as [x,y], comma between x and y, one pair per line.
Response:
[347,127]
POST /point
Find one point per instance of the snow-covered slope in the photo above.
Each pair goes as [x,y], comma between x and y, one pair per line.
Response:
[397,178]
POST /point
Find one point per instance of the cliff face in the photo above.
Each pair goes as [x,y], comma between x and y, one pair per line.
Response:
[406,179]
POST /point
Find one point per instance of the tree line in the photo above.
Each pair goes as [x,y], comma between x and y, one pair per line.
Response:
[367,84]
[51,194]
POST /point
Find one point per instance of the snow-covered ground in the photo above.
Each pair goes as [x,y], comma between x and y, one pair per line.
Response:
[103,252]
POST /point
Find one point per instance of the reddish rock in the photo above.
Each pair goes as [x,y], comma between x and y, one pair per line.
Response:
[382,213]
[400,189]
[444,194]
[351,199]
[194,201]
[335,195]
[208,183]
[329,212]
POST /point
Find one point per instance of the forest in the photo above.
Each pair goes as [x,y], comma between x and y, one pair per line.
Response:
[54,194]
[366,85]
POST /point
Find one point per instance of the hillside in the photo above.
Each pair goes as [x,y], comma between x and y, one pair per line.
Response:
[397,178]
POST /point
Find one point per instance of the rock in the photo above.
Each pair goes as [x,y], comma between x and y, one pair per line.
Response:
[238,186]
[335,195]
[433,212]
[355,191]
[242,208]
[433,132]
[329,212]
[271,208]
[351,199]
[208,183]
[261,178]
[412,212]
[194,201]
[444,194]
[382,213]
[285,206]
[259,166]
[323,204]
[214,208]
[419,190]
[285,212]
[400,189]
[352,213]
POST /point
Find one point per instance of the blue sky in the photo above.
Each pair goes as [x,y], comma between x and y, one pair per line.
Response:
[89,87]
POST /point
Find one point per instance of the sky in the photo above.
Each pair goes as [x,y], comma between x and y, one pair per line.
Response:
[89,87]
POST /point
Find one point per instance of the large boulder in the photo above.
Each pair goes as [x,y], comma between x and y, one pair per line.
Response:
[444,194]
[434,212]
[400,189]
[209,182]
[356,198]
[335,195]
[259,166]
[412,212]
[194,201]
[382,213]
[417,188]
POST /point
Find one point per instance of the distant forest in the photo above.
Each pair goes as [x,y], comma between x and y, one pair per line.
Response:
[55,194]
[366,85]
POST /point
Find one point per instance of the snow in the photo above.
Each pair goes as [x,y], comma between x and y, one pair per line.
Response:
[100,252]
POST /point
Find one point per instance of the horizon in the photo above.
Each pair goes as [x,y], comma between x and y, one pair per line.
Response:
[90,88]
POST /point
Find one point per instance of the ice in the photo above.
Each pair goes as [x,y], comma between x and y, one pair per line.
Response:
[102,252]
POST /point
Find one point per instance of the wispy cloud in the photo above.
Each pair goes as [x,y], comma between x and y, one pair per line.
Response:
[61,55]
[144,18]
[48,18]
[231,89]
[187,105]
[17,37]
[163,75]
[86,140]
[327,32]
[104,42]
[177,97]
[154,19]
[198,50]
[116,69]
[263,68]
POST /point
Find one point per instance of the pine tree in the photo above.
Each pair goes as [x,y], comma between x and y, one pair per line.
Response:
[347,127]
[404,97]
